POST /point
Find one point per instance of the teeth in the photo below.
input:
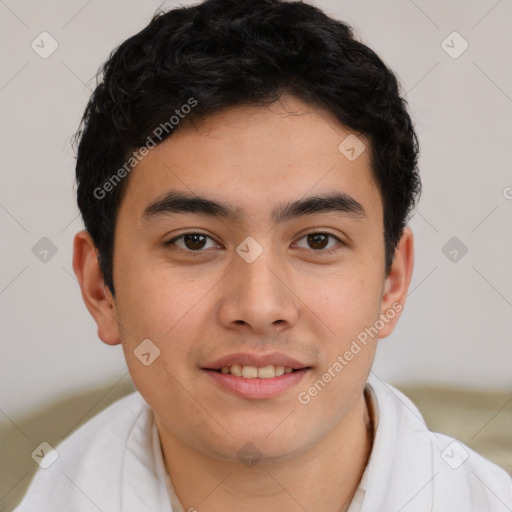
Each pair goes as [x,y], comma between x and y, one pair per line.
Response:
[280,370]
[236,370]
[252,372]
[249,372]
[266,372]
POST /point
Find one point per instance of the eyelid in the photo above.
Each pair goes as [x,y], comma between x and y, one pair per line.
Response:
[322,232]
[182,235]
[313,232]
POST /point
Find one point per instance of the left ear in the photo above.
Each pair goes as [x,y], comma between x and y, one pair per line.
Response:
[397,283]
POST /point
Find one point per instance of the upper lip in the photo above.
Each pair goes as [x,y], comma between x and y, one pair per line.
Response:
[258,360]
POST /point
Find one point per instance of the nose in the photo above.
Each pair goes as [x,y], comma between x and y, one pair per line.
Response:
[258,297]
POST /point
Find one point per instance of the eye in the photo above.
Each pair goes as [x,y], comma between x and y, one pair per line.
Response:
[318,241]
[193,242]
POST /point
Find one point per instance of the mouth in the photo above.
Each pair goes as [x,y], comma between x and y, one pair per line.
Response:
[253,372]
[256,377]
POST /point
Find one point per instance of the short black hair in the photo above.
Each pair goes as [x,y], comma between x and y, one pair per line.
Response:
[224,53]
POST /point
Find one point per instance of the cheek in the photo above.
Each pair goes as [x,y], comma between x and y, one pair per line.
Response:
[155,302]
[170,313]
[348,307]
[153,305]
[345,303]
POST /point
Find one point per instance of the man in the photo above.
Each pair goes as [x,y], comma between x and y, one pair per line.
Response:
[245,174]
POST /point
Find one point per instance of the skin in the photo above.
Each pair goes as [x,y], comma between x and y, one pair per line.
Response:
[304,302]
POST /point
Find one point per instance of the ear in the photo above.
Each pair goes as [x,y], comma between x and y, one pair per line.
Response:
[397,283]
[97,297]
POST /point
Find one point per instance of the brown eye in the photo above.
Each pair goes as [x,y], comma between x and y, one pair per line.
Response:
[194,241]
[318,240]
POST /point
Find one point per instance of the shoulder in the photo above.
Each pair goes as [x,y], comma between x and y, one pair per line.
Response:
[463,472]
[89,462]
[445,473]
[106,433]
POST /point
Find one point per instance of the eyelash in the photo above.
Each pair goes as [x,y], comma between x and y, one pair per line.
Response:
[179,237]
[318,251]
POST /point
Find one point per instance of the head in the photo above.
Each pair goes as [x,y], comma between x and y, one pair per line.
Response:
[245,175]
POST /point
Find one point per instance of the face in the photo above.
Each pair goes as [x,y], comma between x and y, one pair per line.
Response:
[278,268]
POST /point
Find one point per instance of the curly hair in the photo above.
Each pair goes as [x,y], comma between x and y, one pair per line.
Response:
[225,53]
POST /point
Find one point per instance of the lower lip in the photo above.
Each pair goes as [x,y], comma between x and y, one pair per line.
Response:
[257,388]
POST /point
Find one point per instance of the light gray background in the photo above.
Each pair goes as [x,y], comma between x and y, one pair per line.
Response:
[54,371]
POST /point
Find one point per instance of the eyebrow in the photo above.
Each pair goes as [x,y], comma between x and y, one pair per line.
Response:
[327,203]
[179,203]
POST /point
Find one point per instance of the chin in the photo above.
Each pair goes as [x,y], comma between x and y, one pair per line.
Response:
[260,446]
[250,452]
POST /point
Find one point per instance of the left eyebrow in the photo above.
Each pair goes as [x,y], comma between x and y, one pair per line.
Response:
[337,202]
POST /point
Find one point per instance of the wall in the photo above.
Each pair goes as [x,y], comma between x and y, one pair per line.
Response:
[55,373]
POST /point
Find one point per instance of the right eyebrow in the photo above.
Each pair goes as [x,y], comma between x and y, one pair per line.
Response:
[178,202]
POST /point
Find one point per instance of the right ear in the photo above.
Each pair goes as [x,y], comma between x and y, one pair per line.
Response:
[96,295]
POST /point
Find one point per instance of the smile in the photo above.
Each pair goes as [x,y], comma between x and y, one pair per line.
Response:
[253,372]
[255,383]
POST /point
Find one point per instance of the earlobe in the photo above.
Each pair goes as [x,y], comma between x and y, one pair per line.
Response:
[397,282]
[97,297]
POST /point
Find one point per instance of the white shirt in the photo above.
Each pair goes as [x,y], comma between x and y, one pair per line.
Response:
[114,463]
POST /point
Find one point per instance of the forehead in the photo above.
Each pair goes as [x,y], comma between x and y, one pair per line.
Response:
[255,156]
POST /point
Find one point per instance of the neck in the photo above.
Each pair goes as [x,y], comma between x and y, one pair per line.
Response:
[323,478]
